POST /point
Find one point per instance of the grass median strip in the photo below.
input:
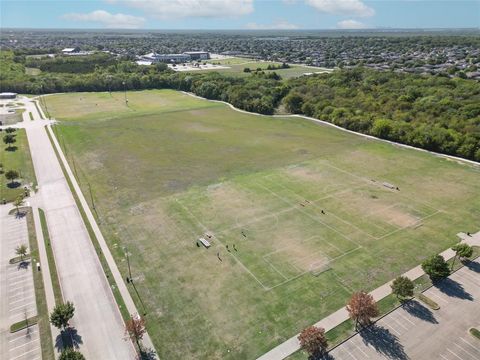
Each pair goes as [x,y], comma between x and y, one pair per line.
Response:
[475,333]
[41,300]
[106,269]
[429,302]
[57,291]
[24,324]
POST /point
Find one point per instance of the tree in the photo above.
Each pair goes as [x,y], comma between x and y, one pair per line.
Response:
[18,202]
[463,251]
[9,139]
[361,308]
[436,267]
[10,130]
[135,329]
[61,315]
[11,175]
[402,287]
[313,341]
[293,102]
[70,353]
[21,250]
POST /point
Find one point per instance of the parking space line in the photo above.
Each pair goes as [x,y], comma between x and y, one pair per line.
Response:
[22,294]
[348,351]
[15,276]
[466,342]
[444,357]
[23,336]
[28,343]
[471,278]
[20,281]
[468,352]
[358,347]
[20,306]
[454,354]
[25,353]
[22,299]
[398,322]
[405,318]
[391,328]
[438,297]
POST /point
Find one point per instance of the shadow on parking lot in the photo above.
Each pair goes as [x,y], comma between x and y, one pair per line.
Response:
[473,265]
[416,309]
[384,342]
[68,338]
[453,289]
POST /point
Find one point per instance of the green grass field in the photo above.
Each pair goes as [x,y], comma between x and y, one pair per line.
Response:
[19,160]
[237,65]
[171,168]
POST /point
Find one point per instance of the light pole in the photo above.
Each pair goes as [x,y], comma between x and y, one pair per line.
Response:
[125,91]
[130,280]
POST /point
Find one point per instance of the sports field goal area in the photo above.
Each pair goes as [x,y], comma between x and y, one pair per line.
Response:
[298,220]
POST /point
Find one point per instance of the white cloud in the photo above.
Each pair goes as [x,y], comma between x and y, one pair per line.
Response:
[119,21]
[276,25]
[342,7]
[351,24]
[164,9]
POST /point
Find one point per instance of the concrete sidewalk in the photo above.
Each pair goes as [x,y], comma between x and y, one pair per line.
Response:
[292,345]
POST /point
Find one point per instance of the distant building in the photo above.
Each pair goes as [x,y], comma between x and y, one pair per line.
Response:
[8,95]
[198,55]
[175,58]
[68,51]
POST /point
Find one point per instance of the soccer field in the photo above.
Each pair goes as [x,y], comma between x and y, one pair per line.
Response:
[299,215]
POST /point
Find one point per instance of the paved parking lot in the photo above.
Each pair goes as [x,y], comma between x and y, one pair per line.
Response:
[416,332]
[18,296]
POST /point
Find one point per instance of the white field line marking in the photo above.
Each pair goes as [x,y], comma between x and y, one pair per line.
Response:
[466,342]
[454,354]
[23,345]
[25,353]
[310,216]
[466,351]
[379,185]
[274,268]
[410,226]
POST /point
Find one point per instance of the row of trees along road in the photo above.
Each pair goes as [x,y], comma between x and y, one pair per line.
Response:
[362,308]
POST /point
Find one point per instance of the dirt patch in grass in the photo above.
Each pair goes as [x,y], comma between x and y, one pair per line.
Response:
[305,173]
[198,127]
[398,217]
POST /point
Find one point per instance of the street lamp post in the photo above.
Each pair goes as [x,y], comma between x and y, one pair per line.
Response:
[125,91]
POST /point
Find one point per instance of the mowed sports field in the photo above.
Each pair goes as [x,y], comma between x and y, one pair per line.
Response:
[309,213]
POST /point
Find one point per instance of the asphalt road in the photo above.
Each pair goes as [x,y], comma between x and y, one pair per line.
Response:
[416,332]
[98,324]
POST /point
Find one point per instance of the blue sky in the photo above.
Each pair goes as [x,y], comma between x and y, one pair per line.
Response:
[240,14]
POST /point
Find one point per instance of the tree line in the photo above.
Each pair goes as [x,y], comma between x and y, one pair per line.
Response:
[436,113]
